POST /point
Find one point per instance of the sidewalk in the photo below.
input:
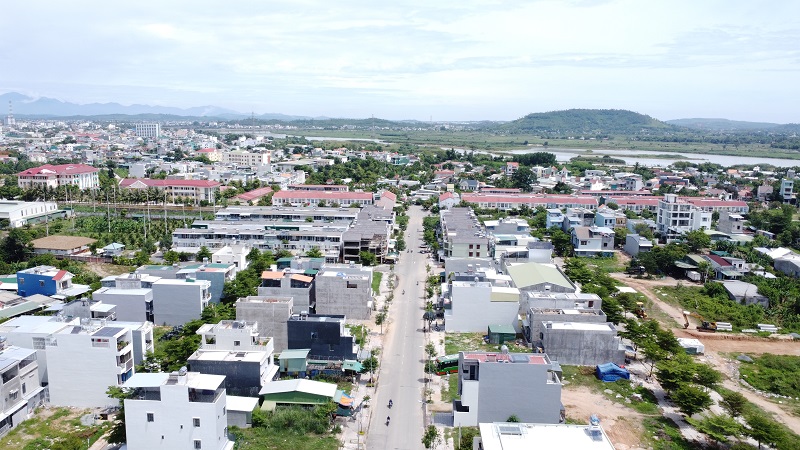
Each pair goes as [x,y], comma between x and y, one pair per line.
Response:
[355,428]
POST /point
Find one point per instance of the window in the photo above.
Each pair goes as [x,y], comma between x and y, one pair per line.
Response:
[22,281]
[478,254]
[478,247]
[151,417]
[470,246]
[24,388]
[351,285]
[470,253]
[224,410]
[41,283]
[237,343]
[196,422]
[198,444]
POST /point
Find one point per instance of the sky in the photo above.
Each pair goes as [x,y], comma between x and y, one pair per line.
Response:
[428,59]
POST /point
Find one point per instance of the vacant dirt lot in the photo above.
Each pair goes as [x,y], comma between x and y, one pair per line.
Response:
[622,425]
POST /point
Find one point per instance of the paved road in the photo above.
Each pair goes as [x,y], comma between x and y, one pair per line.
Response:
[402,376]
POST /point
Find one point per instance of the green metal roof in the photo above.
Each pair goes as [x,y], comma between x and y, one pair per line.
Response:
[287,259]
[530,274]
[502,329]
[696,258]
[350,364]
[294,354]
[683,265]
[218,265]
[311,272]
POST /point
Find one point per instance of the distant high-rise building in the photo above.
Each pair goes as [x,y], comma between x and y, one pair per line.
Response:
[148,130]
[10,121]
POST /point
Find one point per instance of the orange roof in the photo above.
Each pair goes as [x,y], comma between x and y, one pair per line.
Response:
[271,275]
[302,278]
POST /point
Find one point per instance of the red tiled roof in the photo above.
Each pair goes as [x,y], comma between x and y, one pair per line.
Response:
[719,260]
[63,169]
[60,275]
[445,196]
[713,202]
[527,198]
[323,195]
[207,150]
[255,194]
[389,194]
[163,183]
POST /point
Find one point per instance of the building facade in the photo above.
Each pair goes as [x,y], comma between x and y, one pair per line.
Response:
[53,176]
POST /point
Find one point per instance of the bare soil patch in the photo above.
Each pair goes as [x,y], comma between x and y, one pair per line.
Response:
[622,424]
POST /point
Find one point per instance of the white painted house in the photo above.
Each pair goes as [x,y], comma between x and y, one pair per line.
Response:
[179,410]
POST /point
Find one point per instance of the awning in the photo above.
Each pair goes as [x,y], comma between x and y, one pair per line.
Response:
[731,273]
[302,278]
[683,265]
[350,364]
[270,275]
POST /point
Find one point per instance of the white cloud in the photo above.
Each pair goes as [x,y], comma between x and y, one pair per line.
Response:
[453,59]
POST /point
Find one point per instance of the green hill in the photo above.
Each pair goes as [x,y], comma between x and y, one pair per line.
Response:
[587,122]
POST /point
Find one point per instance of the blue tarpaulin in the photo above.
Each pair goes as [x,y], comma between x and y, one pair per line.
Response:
[611,372]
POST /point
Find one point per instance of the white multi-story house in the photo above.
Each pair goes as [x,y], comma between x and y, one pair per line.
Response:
[176,302]
[131,293]
[675,217]
[179,410]
[234,349]
[48,175]
[21,391]
[80,358]
[473,300]
[787,190]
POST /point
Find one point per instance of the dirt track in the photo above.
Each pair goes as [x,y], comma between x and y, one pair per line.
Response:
[717,344]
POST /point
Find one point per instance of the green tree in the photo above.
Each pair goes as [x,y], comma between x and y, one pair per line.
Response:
[523,179]
[380,318]
[203,254]
[368,259]
[697,240]
[733,402]
[719,427]
[620,234]
[431,437]
[560,241]
[315,252]
[16,246]
[763,429]
[117,434]
[171,257]
[400,244]
[691,399]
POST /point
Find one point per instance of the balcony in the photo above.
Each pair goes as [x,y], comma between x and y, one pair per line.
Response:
[204,395]
[125,366]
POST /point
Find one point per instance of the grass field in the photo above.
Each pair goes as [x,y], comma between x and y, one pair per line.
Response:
[607,265]
[376,282]
[577,376]
[460,342]
[52,428]
[269,439]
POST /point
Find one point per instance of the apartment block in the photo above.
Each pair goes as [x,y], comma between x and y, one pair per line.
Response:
[194,190]
[178,410]
[462,234]
[494,386]
[245,158]
[270,314]
[345,290]
[148,130]
[322,198]
[474,300]
[730,223]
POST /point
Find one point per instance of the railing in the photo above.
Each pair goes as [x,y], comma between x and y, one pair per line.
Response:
[126,366]
[100,344]
[5,429]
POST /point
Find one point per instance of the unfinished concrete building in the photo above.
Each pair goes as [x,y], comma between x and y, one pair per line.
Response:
[344,289]
[549,300]
[289,283]
[271,314]
[535,318]
[581,343]
[493,386]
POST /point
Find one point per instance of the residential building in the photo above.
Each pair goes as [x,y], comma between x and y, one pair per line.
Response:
[462,234]
[537,277]
[194,190]
[179,410]
[468,185]
[511,168]
[593,241]
[506,202]
[148,130]
[449,200]
[246,158]
[745,293]
[176,302]
[369,234]
[506,436]
[53,176]
[213,154]
[131,293]
[787,190]
[730,223]
[580,343]
[240,410]
[535,318]
[552,300]
[49,281]
[344,289]
[489,388]
[507,226]
[234,254]
[12,305]
[285,283]
[676,217]
[635,244]
[324,335]
[270,314]
[319,187]
[555,218]
[475,299]
[19,213]
[609,218]
[234,349]
[21,392]
[322,198]
[62,245]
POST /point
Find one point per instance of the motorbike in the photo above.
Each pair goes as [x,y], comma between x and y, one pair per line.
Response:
[390,404]
[387,420]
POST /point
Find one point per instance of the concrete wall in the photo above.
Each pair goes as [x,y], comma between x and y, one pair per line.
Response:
[175,303]
[473,310]
[270,315]
[131,303]
[217,280]
[304,298]
[537,317]
[583,347]
[344,290]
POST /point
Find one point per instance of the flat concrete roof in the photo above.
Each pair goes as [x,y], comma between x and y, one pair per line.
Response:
[584,326]
[524,436]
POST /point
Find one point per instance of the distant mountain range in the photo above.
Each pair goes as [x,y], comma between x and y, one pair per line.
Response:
[567,122]
[44,107]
